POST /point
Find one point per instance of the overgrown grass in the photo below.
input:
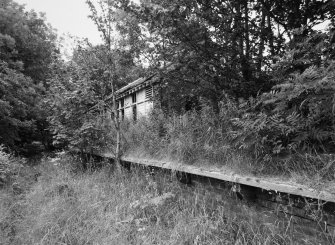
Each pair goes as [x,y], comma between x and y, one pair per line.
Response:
[195,136]
[205,138]
[17,176]
[70,207]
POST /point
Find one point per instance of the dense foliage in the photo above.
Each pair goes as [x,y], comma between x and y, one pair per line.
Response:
[298,113]
[263,58]
[79,97]
[248,84]
[273,69]
[27,48]
[223,45]
[266,57]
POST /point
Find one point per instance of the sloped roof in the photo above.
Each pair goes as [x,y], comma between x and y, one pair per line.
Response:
[136,85]
[133,84]
[140,83]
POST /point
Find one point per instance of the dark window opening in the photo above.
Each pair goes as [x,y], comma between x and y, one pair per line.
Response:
[122,114]
[133,97]
[134,113]
[122,102]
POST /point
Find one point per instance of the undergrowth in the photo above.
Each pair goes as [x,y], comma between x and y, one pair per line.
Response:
[195,136]
[287,131]
[205,138]
[67,206]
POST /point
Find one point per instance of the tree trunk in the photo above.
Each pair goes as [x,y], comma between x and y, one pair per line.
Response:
[261,44]
[270,33]
[245,59]
[305,20]
[246,30]
[116,121]
[104,24]
[235,37]
[239,28]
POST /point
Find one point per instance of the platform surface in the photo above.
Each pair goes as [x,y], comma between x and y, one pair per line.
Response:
[266,183]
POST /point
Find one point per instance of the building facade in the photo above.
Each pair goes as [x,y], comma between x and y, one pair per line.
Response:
[135,100]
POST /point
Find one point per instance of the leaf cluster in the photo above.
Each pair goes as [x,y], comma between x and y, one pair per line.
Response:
[81,112]
[27,49]
[297,115]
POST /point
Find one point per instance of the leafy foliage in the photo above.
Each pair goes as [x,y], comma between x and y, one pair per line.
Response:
[17,101]
[221,45]
[81,116]
[27,48]
[72,99]
[26,39]
[298,114]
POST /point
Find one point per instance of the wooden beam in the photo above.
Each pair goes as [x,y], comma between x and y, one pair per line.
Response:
[259,182]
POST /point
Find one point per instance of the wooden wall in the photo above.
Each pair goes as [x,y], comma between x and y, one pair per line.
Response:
[143,104]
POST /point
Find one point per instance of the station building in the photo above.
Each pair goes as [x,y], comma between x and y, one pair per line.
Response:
[137,98]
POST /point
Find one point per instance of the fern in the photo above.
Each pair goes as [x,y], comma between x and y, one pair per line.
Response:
[297,115]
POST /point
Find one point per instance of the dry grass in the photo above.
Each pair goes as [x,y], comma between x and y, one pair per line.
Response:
[70,207]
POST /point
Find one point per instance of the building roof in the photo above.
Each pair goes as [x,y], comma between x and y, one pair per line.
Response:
[140,83]
[136,85]
[131,85]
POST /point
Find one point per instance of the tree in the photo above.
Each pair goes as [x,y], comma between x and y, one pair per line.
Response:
[27,48]
[17,102]
[297,115]
[26,38]
[117,31]
[207,42]
[72,100]
[221,45]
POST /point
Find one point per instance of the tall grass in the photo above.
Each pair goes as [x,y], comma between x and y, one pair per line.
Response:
[196,135]
[205,137]
[16,177]
[64,207]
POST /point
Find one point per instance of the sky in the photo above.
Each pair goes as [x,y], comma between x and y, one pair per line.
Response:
[67,17]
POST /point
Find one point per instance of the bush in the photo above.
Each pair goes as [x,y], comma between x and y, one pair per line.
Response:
[296,116]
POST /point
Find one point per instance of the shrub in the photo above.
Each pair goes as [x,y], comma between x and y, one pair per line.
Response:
[297,115]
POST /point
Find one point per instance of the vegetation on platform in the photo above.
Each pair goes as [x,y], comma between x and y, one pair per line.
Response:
[204,138]
[65,205]
[250,84]
[247,84]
